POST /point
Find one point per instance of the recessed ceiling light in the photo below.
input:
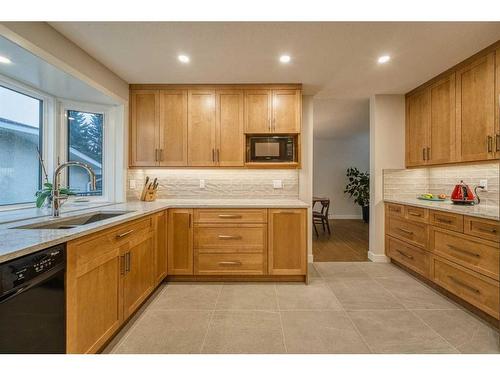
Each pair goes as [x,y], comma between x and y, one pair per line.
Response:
[285,59]
[383,59]
[183,59]
[4,60]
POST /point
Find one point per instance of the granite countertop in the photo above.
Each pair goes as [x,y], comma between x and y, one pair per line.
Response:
[480,210]
[18,242]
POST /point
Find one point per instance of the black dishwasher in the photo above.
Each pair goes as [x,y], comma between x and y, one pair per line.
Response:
[32,303]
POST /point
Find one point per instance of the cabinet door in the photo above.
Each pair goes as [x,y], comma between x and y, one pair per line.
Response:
[180,241]
[286,111]
[201,128]
[441,134]
[476,109]
[93,295]
[144,127]
[173,128]
[138,280]
[497,105]
[160,261]
[258,111]
[417,123]
[230,138]
[287,247]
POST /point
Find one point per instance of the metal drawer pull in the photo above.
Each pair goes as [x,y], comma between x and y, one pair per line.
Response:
[489,230]
[464,251]
[228,237]
[405,231]
[229,216]
[395,209]
[230,263]
[447,221]
[124,233]
[415,214]
[466,286]
[404,254]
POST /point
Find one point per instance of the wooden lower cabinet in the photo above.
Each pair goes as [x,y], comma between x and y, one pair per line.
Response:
[410,256]
[180,241]
[287,243]
[160,257]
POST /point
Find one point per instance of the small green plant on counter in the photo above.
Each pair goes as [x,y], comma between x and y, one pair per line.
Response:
[46,192]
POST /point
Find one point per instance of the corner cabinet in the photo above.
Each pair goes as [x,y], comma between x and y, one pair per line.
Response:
[180,241]
[287,254]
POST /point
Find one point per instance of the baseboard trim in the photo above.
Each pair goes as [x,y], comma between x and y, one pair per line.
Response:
[310,258]
[378,258]
[345,217]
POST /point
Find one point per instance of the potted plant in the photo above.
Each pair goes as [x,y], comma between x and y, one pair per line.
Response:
[358,188]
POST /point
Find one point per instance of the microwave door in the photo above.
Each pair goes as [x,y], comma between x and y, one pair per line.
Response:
[267,150]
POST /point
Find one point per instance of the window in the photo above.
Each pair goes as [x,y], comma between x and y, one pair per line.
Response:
[21,124]
[85,144]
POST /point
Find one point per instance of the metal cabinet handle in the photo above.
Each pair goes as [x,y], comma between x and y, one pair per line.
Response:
[497,142]
[217,156]
[228,237]
[464,285]
[488,230]
[405,231]
[415,214]
[121,235]
[122,264]
[428,153]
[213,156]
[230,263]
[128,261]
[229,216]
[423,153]
[453,247]
[490,143]
[395,209]
[156,154]
[189,221]
[447,221]
[404,254]
[161,154]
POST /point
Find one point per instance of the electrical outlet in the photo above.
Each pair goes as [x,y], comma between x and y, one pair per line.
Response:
[484,183]
[277,184]
[202,184]
[131,184]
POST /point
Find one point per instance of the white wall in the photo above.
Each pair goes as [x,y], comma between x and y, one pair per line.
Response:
[332,157]
[306,173]
[387,150]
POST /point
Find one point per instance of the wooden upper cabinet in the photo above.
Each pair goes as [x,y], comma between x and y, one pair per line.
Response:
[201,128]
[286,111]
[144,127]
[173,128]
[229,125]
[475,112]
[287,242]
[258,105]
[417,125]
[180,241]
[441,131]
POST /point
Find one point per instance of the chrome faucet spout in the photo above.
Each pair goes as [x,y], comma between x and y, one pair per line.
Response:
[56,198]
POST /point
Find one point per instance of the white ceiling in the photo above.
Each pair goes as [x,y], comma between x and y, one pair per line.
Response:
[333,60]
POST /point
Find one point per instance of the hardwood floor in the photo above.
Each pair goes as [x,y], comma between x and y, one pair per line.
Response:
[347,243]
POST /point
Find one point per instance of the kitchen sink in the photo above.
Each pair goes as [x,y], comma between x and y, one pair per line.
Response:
[75,221]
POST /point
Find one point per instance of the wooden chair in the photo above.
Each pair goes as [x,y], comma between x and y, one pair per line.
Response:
[321,217]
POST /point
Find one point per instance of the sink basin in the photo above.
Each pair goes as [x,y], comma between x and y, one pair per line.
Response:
[75,221]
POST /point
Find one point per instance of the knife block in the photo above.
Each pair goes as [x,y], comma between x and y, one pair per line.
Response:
[149,194]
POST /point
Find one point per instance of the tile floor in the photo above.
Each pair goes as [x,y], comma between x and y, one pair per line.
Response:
[347,308]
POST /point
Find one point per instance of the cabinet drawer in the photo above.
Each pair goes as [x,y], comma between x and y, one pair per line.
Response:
[230,216]
[417,214]
[478,290]
[409,231]
[412,257]
[230,238]
[229,264]
[479,255]
[395,210]
[483,228]
[447,220]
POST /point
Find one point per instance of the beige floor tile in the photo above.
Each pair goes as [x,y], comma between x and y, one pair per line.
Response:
[248,296]
[341,270]
[312,273]
[244,332]
[321,332]
[188,296]
[392,331]
[413,294]
[314,296]
[467,333]
[161,331]
[382,270]
[363,294]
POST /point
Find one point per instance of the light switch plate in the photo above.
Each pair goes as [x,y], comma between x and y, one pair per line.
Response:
[131,184]
[202,184]
[484,183]
[277,184]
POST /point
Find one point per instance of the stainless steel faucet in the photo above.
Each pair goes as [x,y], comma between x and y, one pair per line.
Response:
[56,198]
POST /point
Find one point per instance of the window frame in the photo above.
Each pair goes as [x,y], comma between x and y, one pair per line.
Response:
[45,133]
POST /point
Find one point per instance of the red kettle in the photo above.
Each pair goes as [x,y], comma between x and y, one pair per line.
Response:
[462,194]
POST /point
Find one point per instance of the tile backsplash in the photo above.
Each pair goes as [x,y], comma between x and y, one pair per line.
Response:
[226,183]
[409,183]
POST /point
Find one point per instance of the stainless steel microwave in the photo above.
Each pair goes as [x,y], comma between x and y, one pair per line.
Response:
[271,149]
